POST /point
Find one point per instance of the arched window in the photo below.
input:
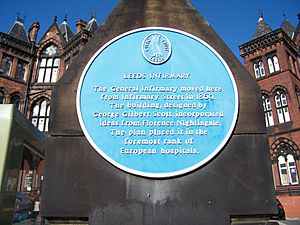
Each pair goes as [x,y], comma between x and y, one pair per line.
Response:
[15,100]
[283,170]
[2,97]
[273,64]
[286,153]
[40,115]
[259,69]
[293,175]
[268,111]
[49,65]
[282,107]
[287,170]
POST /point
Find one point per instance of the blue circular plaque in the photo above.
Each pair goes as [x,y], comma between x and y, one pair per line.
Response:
[155,110]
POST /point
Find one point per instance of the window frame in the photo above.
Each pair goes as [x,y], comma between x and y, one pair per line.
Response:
[269,118]
[4,67]
[259,69]
[273,63]
[282,108]
[21,74]
[284,164]
[49,63]
[42,117]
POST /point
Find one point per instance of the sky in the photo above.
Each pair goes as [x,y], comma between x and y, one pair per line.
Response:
[233,20]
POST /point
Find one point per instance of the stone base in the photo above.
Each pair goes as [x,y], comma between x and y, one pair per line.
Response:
[65,222]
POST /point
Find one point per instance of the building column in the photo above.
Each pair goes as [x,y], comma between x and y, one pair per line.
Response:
[14,68]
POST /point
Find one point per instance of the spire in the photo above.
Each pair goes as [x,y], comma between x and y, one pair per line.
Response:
[92,25]
[284,16]
[296,37]
[65,29]
[65,17]
[287,27]
[18,29]
[262,27]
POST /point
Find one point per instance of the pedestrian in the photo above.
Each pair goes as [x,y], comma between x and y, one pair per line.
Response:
[36,208]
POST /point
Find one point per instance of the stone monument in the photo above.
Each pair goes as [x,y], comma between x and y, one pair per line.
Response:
[157,122]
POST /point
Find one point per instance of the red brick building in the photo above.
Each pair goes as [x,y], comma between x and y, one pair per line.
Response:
[272,58]
[29,70]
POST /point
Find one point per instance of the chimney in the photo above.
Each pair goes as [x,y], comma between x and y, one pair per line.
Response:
[80,25]
[33,31]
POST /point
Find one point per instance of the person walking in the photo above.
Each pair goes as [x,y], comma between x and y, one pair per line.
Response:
[36,208]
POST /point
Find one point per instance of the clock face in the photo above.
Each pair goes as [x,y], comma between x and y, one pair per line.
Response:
[51,50]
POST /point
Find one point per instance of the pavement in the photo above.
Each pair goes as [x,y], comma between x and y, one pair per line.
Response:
[39,221]
[289,222]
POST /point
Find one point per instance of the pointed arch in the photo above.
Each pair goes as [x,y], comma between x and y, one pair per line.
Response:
[265,92]
[280,87]
[285,153]
[16,99]
[284,143]
[47,43]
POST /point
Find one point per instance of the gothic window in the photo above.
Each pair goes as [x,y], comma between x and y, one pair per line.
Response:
[282,107]
[15,100]
[49,65]
[40,115]
[21,70]
[268,111]
[273,64]
[288,170]
[259,69]
[293,175]
[283,171]
[6,65]
[2,97]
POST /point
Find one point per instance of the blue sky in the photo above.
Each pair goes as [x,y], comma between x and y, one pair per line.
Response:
[233,20]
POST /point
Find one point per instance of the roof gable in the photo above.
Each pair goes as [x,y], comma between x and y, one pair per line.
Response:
[53,32]
[18,30]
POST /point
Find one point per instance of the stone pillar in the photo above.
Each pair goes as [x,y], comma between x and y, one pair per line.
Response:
[80,25]
[33,32]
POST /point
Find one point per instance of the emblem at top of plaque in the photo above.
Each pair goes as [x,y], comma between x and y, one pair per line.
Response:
[156,48]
